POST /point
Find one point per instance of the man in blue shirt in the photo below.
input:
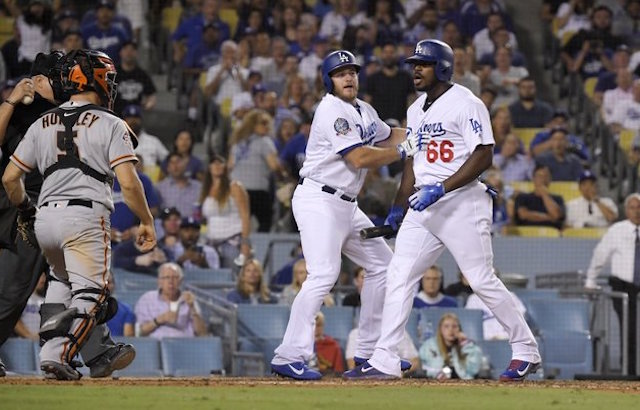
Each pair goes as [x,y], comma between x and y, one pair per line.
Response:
[104,35]
[430,294]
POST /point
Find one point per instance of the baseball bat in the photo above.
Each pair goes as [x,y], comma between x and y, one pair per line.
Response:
[376,231]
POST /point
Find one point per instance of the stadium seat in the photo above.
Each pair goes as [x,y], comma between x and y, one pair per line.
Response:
[229,16]
[130,297]
[533,231]
[262,321]
[590,87]
[526,135]
[522,186]
[191,356]
[148,362]
[470,320]
[198,275]
[499,354]
[560,314]
[6,29]
[20,357]
[339,320]
[171,18]
[585,233]
[153,172]
[568,190]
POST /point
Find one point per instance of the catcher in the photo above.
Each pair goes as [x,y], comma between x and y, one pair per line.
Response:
[72,225]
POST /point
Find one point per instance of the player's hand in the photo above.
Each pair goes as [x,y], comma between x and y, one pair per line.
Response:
[394,218]
[24,88]
[146,237]
[426,196]
[412,145]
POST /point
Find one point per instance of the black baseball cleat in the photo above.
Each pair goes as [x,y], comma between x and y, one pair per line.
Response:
[59,371]
[3,369]
[116,358]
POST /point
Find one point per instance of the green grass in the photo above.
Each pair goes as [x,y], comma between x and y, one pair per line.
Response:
[280,397]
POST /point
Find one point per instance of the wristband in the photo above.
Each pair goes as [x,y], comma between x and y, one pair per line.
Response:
[10,102]
[401,151]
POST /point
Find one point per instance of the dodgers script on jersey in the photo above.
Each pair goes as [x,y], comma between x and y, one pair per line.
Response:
[454,134]
[336,129]
[110,143]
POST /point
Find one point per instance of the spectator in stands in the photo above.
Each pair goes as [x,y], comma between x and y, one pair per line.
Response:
[104,35]
[474,15]
[430,291]
[564,165]
[150,148]
[72,40]
[177,189]
[28,325]
[335,22]
[514,165]
[505,77]
[623,92]
[254,20]
[135,12]
[252,160]
[528,112]
[328,353]
[572,17]
[302,46]
[293,154]
[542,143]
[226,78]
[247,100]
[124,321]
[488,95]
[285,67]
[627,26]
[482,41]
[169,311]
[66,20]
[225,208]
[428,26]
[451,34]
[189,252]
[310,63]
[127,255]
[251,287]
[290,291]
[206,53]
[183,146]
[33,31]
[450,354]
[590,210]
[284,275]
[353,298]
[389,22]
[262,59]
[502,127]
[135,86]
[287,128]
[287,25]
[621,247]
[626,114]
[608,80]
[406,350]
[189,33]
[491,328]
[589,52]
[294,90]
[463,76]
[171,219]
[460,289]
[540,208]
[122,219]
[502,202]
[391,89]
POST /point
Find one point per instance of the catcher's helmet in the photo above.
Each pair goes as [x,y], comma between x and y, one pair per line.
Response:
[90,70]
[437,52]
[332,62]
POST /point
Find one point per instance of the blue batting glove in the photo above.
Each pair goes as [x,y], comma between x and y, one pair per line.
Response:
[395,217]
[426,196]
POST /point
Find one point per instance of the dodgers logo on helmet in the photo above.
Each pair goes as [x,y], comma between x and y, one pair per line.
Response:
[332,62]
[434,51]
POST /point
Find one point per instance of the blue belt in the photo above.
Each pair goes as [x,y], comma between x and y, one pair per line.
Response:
[331,190]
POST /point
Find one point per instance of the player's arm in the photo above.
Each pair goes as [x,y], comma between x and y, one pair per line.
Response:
[479,161]
[13,184]
[133,195]
[396,136]
[406,186]
[365,156]
[22,89]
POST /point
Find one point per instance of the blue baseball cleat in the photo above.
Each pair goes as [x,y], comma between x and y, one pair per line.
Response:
[296,370]
[518,371]
[367,372]
[404,364]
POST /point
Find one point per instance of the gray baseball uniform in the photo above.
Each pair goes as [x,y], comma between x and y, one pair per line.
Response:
[72,224]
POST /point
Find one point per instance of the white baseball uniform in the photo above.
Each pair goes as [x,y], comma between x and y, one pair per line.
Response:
[73,225]
[329,221]
[457,123]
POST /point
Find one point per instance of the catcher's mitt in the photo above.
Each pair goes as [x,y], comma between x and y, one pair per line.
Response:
[26,220]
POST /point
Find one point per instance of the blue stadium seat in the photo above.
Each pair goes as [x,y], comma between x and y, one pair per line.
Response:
[526,295]
[470,320]
[499,354]
[262,321]
[339,321]
[412,327]
[191,356]
[197,275]
[560,314]
[19,356]
[130,296]
[148,362]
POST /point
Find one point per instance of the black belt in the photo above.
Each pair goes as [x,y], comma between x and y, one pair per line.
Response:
[332,191]
[77,202]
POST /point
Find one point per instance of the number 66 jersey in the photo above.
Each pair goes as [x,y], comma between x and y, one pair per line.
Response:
[455,123]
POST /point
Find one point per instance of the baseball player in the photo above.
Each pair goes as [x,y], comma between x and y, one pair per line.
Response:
[78,148]
[449,208]
[347,137]
[21,263]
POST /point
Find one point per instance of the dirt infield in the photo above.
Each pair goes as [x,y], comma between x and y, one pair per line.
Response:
[616,386]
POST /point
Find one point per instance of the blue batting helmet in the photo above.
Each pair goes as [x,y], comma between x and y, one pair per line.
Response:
[437,52]
[333,61]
